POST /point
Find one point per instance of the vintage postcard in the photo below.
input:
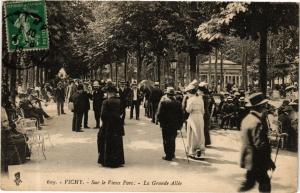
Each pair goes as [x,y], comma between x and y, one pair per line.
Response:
[149,96]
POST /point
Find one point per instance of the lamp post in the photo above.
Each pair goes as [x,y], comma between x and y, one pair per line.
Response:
[173,67]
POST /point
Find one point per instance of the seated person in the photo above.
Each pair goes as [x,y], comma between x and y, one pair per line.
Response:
[29,110]
[36,102]
[10,137]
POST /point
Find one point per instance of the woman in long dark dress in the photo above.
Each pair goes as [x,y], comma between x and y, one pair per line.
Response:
[110,136]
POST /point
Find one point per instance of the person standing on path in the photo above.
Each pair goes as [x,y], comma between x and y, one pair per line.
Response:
[59,95]
[195,123]
[86,100]
[110,135]
[97,98]
[124,93]
[71,89]
[256,149]
[170,116]
[155,96]
[204,92]
[135,97]
[79,108]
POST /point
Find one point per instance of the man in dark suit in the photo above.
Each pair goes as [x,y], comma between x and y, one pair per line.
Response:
[256,149]
[170,117]
[97,98]
[155,96]
[79,101]
[86,99]
[135,98]
[59,95]
[124,93]
[286,124]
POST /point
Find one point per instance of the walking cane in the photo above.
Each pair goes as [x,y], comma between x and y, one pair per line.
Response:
[187,157]
[277,151]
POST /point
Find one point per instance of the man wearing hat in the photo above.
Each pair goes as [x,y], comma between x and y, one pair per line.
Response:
[79,101]
[59,95]
[135,98]
[97,98]
[170,116]
[155,96]
[124,93]
[256,149]
[286,124]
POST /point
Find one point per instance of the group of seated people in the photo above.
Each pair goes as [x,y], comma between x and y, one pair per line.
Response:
[14,148]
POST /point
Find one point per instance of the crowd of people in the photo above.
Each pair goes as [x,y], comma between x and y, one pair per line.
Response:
[195,109]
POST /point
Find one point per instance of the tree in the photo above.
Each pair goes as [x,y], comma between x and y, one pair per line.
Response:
[251,20]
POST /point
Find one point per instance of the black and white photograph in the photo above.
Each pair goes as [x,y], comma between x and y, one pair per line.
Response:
[149,96]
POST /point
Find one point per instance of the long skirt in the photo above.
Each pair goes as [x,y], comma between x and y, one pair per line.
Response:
[195,133]
[110,150]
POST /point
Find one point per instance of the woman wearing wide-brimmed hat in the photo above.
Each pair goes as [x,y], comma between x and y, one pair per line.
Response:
[110,136]
[195,123]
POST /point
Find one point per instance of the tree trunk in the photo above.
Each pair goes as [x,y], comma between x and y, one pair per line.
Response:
[222,72]
[116,65]
[125,67]
[37,75]
[246,72]
[193,56]
[209,70]
[158,67]
[197,67]
[216,69]
[263,61]
[111,70]
[139,64]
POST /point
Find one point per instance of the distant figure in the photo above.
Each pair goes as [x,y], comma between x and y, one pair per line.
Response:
[135,101]
[110,136]
[79,108]
[59,95]
[124,93]
[97,98]
[155,96]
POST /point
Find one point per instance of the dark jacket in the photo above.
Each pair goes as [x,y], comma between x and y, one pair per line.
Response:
[124,96]
[139,95]
[156,95]
[97,98]
[256,150]
[169,113]
[59,94]
[110,116]
[81,101]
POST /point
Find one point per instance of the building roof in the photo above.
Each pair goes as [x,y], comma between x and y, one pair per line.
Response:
[219,61]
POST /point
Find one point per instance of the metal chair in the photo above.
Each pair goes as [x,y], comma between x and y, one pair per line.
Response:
[35,138]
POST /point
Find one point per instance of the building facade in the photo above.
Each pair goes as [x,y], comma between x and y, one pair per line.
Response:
[232,73]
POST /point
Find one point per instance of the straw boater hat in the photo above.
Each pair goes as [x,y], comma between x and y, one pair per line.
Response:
[170,90]
[256,99]
[96,83]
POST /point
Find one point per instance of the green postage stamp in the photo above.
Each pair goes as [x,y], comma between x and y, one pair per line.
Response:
[26,25]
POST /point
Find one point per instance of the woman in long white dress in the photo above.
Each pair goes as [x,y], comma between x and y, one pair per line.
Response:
[195,124]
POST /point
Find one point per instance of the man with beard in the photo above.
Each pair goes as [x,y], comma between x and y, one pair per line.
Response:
[97,98]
